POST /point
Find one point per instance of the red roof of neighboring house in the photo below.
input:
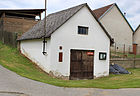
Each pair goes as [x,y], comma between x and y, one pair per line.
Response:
[102,11]
[99,12]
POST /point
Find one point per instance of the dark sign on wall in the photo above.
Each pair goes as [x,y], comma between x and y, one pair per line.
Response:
[102,55]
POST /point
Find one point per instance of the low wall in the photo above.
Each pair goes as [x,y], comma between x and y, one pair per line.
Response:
[126,62]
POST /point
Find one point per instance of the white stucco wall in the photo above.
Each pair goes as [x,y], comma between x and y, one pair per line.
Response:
[118,28]
[136,37]
[67,36]
[33,50]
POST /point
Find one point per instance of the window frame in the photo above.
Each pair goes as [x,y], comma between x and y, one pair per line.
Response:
[83,33]
[60,57]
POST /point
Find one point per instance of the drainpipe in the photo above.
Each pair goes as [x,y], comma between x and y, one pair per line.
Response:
[44,39]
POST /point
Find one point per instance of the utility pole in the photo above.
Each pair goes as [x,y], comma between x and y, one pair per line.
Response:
[44,41]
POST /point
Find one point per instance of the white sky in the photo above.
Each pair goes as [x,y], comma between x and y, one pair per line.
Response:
[131,7]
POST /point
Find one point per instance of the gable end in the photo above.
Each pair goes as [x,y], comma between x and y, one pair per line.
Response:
[111,40]
[109,9]
[136,29]
[124,18]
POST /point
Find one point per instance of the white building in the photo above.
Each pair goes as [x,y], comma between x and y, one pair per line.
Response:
[77,44]
[116,25]
[136,36]
[136,40]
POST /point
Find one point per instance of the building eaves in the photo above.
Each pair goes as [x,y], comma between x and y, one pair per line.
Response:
[55,21]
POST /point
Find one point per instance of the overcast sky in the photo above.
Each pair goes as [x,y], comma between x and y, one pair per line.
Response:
[131,7]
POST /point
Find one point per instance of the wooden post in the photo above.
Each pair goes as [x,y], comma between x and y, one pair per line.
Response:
[110,52]
[115,48]
[40,16]
[45,18]
[44,41]
[15,39]
[124,51]
[3,16]
[134,49]
[134,52]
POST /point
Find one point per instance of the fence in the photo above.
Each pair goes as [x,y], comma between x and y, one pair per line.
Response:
[121,51]
[126,62]
[124,56]
[9,38]
[138,50]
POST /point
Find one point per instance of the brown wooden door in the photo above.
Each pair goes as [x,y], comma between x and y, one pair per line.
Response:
[81,66]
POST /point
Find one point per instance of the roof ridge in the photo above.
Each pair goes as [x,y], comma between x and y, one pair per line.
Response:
[105,6]
[101,11]
[55,21]
[68,8]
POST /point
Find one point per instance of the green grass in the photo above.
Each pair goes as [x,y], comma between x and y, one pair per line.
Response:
[132,56]
[13,60]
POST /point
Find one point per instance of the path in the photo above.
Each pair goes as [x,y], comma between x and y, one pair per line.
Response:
[12,84]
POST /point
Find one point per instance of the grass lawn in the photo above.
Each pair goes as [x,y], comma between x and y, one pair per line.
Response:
[11,59]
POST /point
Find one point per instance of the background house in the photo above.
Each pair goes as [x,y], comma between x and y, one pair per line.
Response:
[136,36]
[17,20]
[117,25]
[78,46]
[136,40]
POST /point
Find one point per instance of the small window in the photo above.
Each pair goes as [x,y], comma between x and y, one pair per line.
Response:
[83,30]
[102,55]
[60,57]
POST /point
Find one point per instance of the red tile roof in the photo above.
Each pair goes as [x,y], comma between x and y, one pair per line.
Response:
[99,12]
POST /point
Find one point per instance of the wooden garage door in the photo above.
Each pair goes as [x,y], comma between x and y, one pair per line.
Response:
[81,66]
